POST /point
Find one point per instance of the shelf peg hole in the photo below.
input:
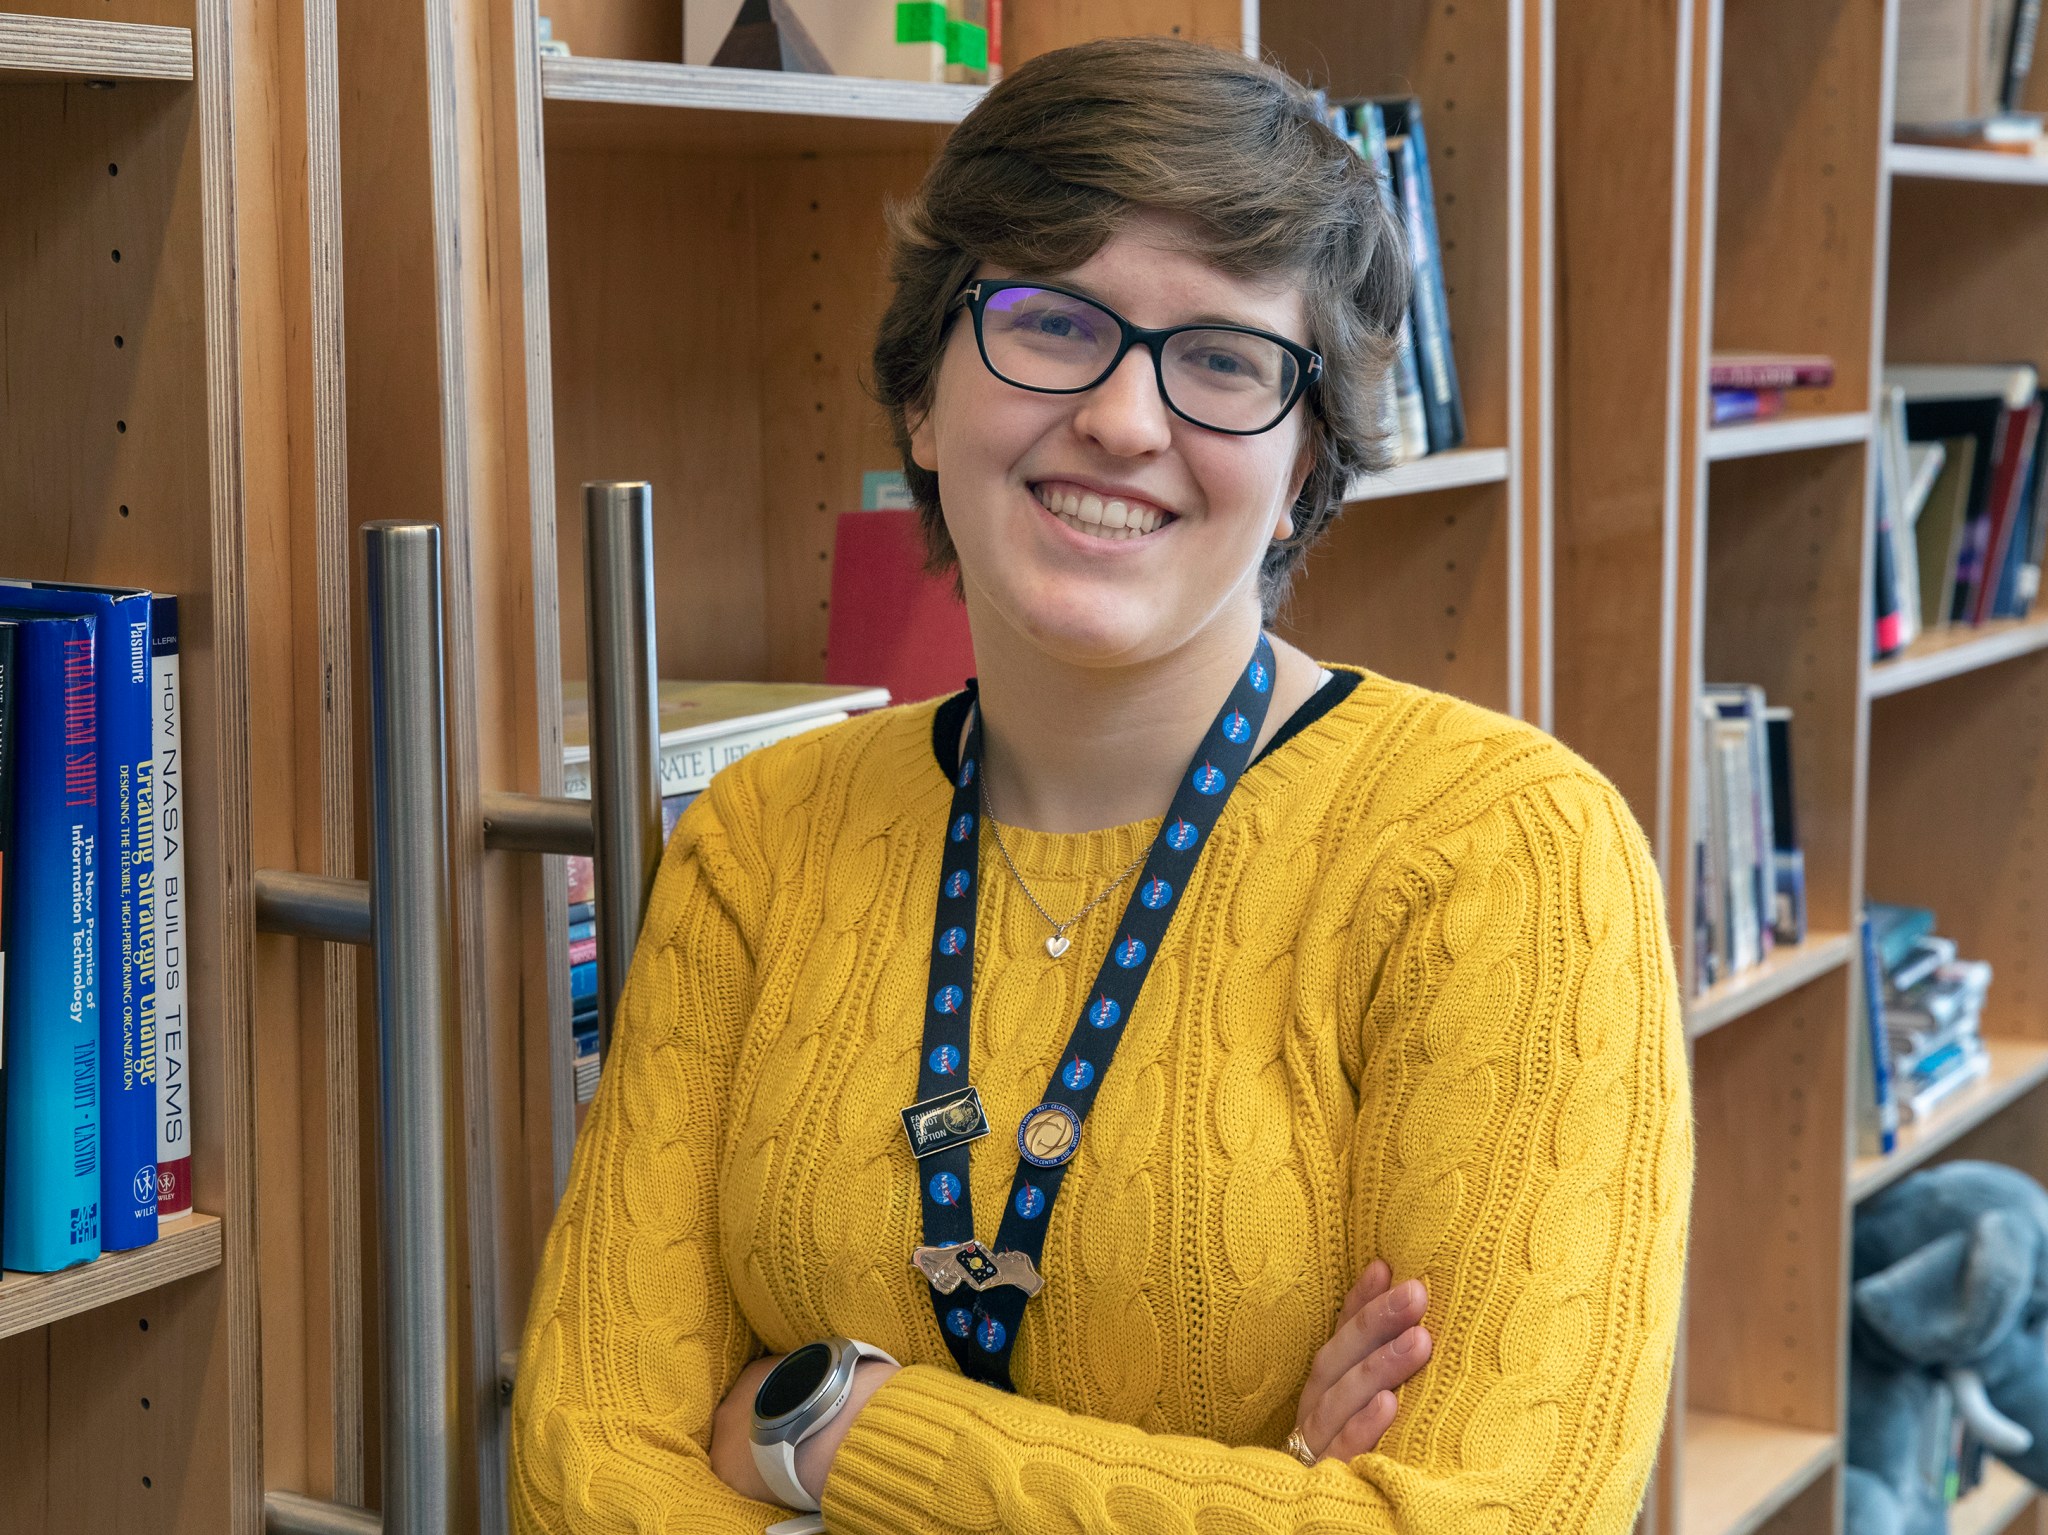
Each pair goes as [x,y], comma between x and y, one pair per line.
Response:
[117,255]
[143,1323]
[113,168]
[119,342]
[124,511]
[147,1482]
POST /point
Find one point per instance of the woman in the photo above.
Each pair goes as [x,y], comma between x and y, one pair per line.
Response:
[1257,970]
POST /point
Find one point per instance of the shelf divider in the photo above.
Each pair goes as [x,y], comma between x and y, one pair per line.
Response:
[1438,471]
[1787,434]
[1932,161]
[186,1245]
[711,88]
[1951,651]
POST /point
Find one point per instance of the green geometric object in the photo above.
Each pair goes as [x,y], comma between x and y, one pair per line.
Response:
[920,21]
[966,43]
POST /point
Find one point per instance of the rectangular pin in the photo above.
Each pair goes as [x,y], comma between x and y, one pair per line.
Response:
[951,1119]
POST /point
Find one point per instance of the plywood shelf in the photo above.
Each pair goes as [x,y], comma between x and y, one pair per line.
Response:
[58,48]
[2017,1065]
[187,1245]
[1439,471]
[1994,1504]
[1734,1473]
[1951,651]
[1787,969]
[1927,160]
[1787,434]
[629,103]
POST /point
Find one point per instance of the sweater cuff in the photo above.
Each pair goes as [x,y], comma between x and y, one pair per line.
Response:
[892,1458]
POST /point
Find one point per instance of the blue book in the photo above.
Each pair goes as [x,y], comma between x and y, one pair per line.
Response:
[1882,1130]
[9,706]
[582,930]
[52,1188]
[127,896]
[1443,404]
[583,980]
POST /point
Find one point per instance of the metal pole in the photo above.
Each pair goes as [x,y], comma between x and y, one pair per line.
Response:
[534,823]
[625,747]
[291,1513]
[313,906]
[409,903]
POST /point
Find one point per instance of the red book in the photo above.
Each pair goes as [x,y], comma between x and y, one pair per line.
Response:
[1769,370]
[2008,486]
[893,623]
[582,951]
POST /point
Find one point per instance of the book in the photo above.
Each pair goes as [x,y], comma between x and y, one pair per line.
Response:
[1769,370]
[1926,956]
[1707,967]
[583,879]
[1902,485]
[1877,1112]
[2008,492]
[173,1087]
[126,888]
[7,873]
[2019,54]
[1730,407]
[1887,613]
[1733,791]
[1788,857]
[1896,929]
[1408,427]
[1953,59]
[707,725]
[891,622]
[1743,705]
[1443,405]
[52,1191]
[1983,419]
[1925,1097]
[1938,536]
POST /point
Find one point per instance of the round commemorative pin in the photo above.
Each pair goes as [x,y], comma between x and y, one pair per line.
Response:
[1048,1135]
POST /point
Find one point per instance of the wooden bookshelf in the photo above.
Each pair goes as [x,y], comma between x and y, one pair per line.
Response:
[186,1245]
[2017,1067]
[62,47]
[1741,1471]
[1788,434]
[1930,162]
[1958,648]
[1788,967]
[1991,1507]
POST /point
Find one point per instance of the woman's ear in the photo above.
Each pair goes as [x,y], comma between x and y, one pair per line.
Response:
[924,445]
[1304,461]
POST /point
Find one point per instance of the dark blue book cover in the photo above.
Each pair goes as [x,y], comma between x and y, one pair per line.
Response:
[1443,404]
[52,1188]
[127,896]
[583,980]
[7,865]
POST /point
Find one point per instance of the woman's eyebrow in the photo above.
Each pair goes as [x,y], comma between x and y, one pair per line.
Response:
[1206,317]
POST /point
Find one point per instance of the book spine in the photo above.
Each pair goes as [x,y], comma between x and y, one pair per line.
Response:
[1887,619]
[1883,1130]
[2019,58]
[8,710]
[1429,308]
[128,1106]
[1408,426]
[688,768]
[173,1088]
[52,1190]
[1770,375]
[2008,487]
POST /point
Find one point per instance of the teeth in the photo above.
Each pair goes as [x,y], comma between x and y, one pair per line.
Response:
[1089,513]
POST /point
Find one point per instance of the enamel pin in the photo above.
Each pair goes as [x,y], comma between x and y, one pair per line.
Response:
[973,1265]
[951,1119]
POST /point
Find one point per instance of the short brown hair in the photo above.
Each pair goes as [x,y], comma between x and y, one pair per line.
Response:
[1041,173]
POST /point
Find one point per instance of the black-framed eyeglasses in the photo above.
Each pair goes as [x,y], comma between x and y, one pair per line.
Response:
[1227,378]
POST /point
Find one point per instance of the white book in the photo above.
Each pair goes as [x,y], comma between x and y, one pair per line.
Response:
[173,994]
[2015,383]
[1923,1103]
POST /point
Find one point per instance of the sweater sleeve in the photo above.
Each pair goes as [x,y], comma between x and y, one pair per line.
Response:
[1523,1143]
[633,1336]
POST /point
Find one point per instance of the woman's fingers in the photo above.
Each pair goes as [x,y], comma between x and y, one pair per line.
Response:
[1346,1412]
[1362,1434]
[1370,1285]
[1373,1325]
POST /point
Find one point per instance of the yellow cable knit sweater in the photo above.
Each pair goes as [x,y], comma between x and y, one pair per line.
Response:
[1417,1003]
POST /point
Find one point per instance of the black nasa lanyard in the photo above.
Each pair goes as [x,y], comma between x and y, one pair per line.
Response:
[978,1292]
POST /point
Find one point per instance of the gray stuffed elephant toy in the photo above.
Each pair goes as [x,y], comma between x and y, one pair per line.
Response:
[1950,1289]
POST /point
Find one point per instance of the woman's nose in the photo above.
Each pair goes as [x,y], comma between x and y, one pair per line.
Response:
[1124,412]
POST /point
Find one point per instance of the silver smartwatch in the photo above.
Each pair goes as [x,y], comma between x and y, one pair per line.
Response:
[799,1397]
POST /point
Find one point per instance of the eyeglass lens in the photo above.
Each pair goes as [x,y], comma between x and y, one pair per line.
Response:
[1226,379]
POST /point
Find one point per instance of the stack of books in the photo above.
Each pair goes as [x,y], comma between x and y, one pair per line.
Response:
[95,1100]
[1963,68]
[1924,1007]
[1754,386]
[1960,532]
[1749,871]
[704,726]
[1427,411]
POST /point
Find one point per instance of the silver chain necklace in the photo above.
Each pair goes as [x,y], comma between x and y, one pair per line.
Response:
[1057,944]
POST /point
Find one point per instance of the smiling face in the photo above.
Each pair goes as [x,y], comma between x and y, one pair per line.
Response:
[1101,528]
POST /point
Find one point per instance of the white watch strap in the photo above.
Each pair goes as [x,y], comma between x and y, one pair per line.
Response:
[777,1465]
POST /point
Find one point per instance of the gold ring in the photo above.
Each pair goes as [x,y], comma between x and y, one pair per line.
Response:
[1298,1448]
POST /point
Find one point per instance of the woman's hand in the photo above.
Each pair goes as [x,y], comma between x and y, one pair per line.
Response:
[732,1451]
[1377,1344]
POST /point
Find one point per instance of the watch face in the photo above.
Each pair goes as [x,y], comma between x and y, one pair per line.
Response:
[790,1384]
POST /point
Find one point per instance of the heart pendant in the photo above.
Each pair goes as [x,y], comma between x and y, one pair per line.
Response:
[1056,945]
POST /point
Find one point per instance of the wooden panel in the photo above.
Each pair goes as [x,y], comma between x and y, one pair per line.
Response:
[1800,172]
[1043,25]
[1767,1263]
[165,13]
[1997,1118]
[619,29]
[1739,1471]
[1958,300]
[187,1244]
[25,1425]
[1619,279]
[1785,610]
[1414,587]
[822,285]
[1457,60]
[1959,819]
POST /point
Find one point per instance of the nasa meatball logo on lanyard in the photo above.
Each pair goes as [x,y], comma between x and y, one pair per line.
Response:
[979,1292]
